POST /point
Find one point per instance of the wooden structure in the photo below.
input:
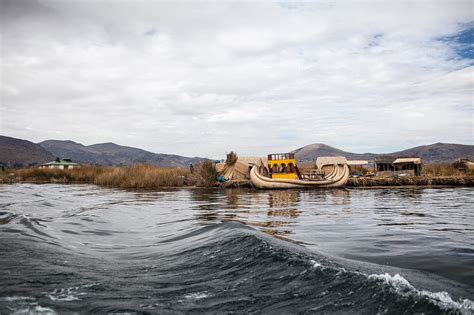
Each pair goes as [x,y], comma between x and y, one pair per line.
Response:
[384,166]
[282,165]
[409,166]
[397,166]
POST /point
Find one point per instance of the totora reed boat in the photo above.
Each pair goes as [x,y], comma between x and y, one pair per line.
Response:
[282,172]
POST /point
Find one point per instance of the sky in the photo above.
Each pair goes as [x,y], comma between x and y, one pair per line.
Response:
[201,78]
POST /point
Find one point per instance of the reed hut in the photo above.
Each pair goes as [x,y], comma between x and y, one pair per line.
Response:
[384,166]
[409,166]
[237,168]
[463,165]
[398,166]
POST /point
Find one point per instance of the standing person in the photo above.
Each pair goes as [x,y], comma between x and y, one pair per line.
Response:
[191,168]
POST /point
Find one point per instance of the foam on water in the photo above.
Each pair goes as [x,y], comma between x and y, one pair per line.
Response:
[36,309]
[441,299]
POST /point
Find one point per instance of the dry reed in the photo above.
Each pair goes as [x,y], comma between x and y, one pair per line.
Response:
[140,176]
[444,170]
[231,158]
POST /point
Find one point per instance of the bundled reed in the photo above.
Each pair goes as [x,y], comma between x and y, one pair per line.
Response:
[231,158]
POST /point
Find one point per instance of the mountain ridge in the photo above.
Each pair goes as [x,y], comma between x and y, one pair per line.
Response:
[23,153]
[431,153]
[16,152]
[109,153]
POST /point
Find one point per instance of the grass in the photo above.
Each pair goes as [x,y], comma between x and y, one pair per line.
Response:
[445,169]
[140,176]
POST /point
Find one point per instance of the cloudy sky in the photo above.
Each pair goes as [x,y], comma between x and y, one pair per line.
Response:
[201,78]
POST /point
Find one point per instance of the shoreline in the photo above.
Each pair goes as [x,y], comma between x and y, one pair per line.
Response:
[352,183]
[444,181]
[463,181]
[387,182]
[152,178]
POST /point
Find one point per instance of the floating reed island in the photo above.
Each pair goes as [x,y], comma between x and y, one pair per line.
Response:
[374,182]
[205,174]
[411,181]
[237,172]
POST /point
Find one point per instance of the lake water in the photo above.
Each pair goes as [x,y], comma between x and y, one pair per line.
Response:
[82,248]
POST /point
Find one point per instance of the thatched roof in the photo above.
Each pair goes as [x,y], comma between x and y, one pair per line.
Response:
[330,160]
[357,162]
[407,160]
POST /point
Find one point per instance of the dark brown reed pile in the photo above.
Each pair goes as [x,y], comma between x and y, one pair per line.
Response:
[231,158]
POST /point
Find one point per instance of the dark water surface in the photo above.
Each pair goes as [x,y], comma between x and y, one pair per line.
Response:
[81,248]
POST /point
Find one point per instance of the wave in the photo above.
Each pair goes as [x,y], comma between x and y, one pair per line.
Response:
[274,275]
[225,267]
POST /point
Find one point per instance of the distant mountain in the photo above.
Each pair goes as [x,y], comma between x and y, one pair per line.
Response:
[433,153]
[308,154]
[22,153]
[114,154]
[440,152]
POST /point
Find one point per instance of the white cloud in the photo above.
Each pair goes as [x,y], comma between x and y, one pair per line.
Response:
[201,78]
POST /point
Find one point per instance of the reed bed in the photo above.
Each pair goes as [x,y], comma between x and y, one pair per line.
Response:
[140,176]
[444,169]
[411,181]
[143,176]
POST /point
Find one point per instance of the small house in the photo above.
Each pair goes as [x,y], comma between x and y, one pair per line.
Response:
[62,164]
[384,166]
[409,166]
[398,166]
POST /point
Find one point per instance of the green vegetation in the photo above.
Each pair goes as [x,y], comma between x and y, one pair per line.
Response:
[140,176]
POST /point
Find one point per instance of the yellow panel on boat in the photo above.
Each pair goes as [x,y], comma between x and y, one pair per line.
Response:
[279,162]
[284,175]
[282,166]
